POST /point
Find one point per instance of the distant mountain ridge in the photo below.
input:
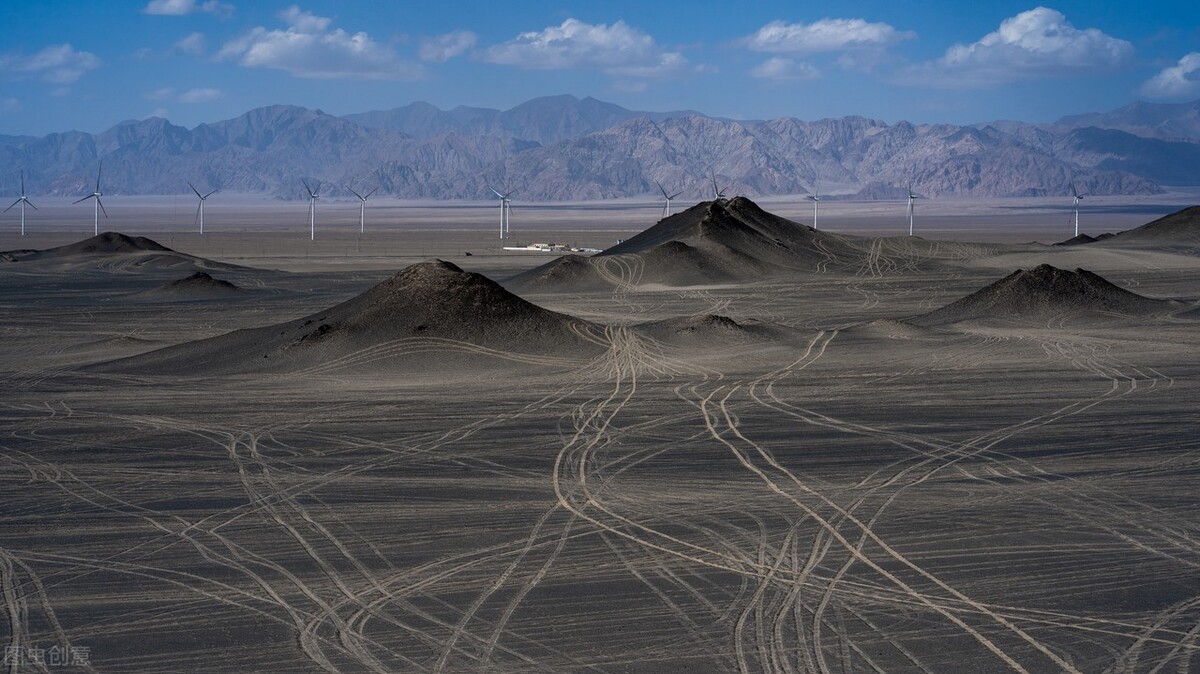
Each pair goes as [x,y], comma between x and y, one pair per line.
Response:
[545,120]
[565,148]
[1164,121]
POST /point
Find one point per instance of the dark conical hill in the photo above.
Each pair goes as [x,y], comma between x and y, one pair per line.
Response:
[1078,240]
[1182,226]
[109,243]
[429,307]
[720,241]
[199,284]
[113,251]
[1044,291]
[703,330]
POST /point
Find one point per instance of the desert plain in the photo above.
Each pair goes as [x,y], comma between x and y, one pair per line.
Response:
[732,445]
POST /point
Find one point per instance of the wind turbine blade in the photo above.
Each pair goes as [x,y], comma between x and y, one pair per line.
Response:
[210,194]
[102,208]
[98,170]
[306,187]
[355,193]
[22,183]
[13,204]
[676,194]
[31,204]
[496,193]
[83,199]
[370,193]
[194,189]
[660,189]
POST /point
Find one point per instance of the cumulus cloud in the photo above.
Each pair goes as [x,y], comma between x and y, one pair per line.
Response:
[162,94]
[308,47]
[200,95]
[9,105]
[616,49]
[194,44]
[785,69]
[442,48]
[1039,42]
[826,35]
[184,7]
[60,64]
[1181,80]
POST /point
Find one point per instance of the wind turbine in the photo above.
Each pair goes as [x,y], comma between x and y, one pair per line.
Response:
[362,208]
[1075,204]
[22,200]
[312,209]
[912,199]
[200,208]
[505,211]
[99,206]
[667,197]
[815,197]
[718,193]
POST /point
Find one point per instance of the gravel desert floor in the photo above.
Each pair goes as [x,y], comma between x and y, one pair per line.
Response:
[816,471]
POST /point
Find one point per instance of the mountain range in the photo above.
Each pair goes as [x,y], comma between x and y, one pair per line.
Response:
[564,148]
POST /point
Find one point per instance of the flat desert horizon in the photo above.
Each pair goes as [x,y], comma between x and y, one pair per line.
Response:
[730,443]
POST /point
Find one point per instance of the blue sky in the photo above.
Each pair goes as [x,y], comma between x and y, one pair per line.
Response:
[88,65]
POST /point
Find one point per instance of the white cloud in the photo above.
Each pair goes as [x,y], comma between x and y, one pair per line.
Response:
[59,64]
[618,49]
[157,112]
[9,105]
[826,35]
[308,48]
[1039,42]
[194,43]
[200,95]
[1181,80]
[162,94]
[442,48]
[780,68]
[184,7]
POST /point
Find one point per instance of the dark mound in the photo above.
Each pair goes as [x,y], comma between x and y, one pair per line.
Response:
[890,329]
[712,242]
[114,251]
[1078,240]
[197,286]
[709,329]
[569,271]
[108,243]
[1179,227]
[431,306]
[1041,292]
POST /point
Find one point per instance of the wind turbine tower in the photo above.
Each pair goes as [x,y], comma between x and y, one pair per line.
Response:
[312,209]
[505,212]
[362,208]
[98,207]
[22,200]
[912,199]
[718,192]
[667,198]
[1075,204]
[815,197]
[200,208]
